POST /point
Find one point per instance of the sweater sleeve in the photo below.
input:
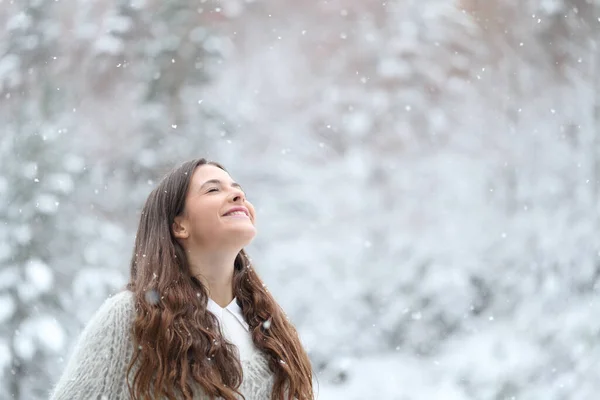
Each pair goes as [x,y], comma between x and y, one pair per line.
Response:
[98,365]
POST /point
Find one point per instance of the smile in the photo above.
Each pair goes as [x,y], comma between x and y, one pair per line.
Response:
[236,214]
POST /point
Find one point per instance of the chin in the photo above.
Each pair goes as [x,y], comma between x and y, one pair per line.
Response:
[244,236]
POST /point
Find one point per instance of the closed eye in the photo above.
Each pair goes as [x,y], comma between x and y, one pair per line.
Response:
[212,190]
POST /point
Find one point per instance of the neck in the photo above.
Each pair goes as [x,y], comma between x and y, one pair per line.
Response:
[215,271]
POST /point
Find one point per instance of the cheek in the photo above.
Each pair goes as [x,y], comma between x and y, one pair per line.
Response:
[252,212]
[204,217]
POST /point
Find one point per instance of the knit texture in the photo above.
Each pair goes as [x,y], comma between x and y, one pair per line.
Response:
[98,365]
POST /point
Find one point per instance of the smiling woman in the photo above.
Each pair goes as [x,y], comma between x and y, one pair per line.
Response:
[195,321]
[206,227]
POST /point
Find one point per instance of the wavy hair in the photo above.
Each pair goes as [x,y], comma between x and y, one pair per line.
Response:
[177,341]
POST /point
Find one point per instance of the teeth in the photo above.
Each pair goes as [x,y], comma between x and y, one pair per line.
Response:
[237,213]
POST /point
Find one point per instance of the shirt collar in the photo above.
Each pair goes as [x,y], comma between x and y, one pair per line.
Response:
[232,308]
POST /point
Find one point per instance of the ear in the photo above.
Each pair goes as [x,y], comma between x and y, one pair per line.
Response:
[179,228]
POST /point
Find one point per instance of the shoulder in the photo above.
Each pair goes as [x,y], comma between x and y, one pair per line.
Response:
[108,333]
[98,363]
[115,314]
[122,301]
[119,305]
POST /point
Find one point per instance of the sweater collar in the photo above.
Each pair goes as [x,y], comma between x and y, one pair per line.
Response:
[232,308]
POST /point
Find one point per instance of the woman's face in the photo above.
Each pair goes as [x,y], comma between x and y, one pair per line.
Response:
[216,213]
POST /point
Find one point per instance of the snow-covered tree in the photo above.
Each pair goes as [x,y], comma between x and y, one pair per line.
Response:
[96,101]
[425,175]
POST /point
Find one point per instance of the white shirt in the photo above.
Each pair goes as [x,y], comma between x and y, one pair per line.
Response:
[234,326]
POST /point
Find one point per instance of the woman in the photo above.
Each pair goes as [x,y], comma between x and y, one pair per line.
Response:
[195,321]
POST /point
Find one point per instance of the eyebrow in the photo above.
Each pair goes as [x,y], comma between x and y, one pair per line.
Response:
[218,182]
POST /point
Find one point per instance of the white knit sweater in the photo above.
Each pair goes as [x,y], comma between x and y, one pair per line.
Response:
[98,365]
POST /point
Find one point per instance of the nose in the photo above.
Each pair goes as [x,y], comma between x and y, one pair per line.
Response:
[237,196]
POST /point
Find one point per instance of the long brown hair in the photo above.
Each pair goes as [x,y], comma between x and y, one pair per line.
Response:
[177,341]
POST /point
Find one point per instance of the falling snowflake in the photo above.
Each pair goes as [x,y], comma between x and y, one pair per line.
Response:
[152,297]
[267,324]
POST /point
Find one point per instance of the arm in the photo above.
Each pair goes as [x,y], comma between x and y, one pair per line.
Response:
[98,365]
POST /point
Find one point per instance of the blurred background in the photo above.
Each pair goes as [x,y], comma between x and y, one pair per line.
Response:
[426,175]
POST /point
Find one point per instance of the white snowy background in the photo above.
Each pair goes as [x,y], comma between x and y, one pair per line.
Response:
[426,175]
